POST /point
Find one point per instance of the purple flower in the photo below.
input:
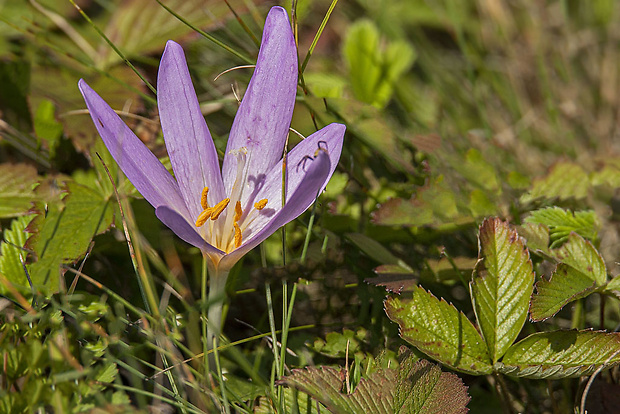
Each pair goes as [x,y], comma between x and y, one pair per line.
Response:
[226,212]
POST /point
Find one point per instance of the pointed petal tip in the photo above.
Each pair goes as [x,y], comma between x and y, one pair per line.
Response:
[172,45]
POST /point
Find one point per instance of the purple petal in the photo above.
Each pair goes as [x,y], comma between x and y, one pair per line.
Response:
[298,160]
[139,164]
[263,119]
[186,231]
[192,153]
[317,173]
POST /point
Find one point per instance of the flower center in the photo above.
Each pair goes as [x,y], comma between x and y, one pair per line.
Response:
[226,233]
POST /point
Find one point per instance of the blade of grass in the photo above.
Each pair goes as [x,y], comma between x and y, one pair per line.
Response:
[207,35]
[243,25]
[318,34]
[113,46]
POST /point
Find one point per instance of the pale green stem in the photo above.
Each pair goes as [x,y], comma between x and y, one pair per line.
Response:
[215,301]
[216,298]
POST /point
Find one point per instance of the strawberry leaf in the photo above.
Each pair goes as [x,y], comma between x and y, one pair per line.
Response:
[561,354]
[439,330]
[502,285]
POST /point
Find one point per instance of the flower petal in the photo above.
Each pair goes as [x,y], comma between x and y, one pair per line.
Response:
[138,163]
[192,153]
[306,192]
[262,121]
[185,230]
[328,141]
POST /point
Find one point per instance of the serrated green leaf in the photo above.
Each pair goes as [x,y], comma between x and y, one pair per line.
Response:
[566,285]
[613,286]
[294,401]
[422,388]
[583,256]
[581,271]
[439,330]
[561,222]
[16,195]
[10,250]
[501,286]
[413,387]
[561,354]
[564,181]
[325,384]
[536,237]
[65,231]
[107,373]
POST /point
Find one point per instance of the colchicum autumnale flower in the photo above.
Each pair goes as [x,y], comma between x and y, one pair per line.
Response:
[226,214]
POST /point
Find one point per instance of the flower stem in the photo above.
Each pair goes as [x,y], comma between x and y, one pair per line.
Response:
[214,299]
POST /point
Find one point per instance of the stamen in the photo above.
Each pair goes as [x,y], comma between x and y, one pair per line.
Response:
[203,198]
[237,235]
[238,211]
[218,208]
[259,205]
[203,217]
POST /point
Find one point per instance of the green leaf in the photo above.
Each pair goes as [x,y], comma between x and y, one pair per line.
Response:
[536,236]
[63,234]
[564,181]
[294,402]
[373,71]
[562,222]
[501,286]
[325,85]
[440,331]
[613,286]
[46,127]
[561,354]
[414,387]
[338,344]
[325,384]
[608,175]
[424,389]
[478,171]
[433,205]
[393,277]
[10,250]
[583,256]
[566,285]
[107,373]
[374,249]
[16,183]
[581,271]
